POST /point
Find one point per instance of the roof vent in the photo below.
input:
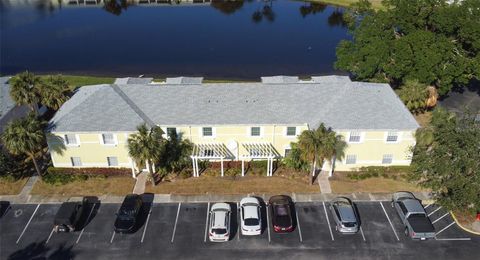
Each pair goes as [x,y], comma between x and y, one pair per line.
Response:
[184,80]
[280,79]
[130,80]
[331,79]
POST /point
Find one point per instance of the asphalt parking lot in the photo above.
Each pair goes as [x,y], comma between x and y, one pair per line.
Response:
[179,231]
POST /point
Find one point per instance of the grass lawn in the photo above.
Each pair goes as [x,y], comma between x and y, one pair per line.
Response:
[376,4]
[8,187]
[233,185]
[78,81]
[340,183]
[90,187]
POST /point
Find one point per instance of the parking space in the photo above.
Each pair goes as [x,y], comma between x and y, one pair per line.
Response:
[181,229]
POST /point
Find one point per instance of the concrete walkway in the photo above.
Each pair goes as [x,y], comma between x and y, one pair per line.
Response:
[324,183]
[140,184]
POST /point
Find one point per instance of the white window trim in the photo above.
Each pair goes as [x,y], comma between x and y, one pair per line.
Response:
[77,139]
[362,137]
[399,134]
[165,132]
[249,132]
[114,138]
[214,132]
[290,136]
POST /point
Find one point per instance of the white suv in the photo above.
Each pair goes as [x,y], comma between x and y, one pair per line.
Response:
[219,228]
[250,216]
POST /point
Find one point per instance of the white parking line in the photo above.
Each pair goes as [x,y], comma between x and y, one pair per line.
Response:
[28,223]
[49,236]
[434,211]
[363,235]
[238,225]
[443,229]
[454,239]
[88,219]
[176,220]
[446,214]
[298,227]
[206,223]
[328,220]
[113,235]
[389,221]
[146,224]
[428,206]
[268,224]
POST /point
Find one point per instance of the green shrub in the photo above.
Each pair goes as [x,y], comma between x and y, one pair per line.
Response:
[232,172]
[389,172]
[62,179]
[91,171]
[185,174]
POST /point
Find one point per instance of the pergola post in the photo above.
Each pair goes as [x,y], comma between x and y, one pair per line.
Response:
[196,166]
[243,167]
[268,167]
[133,169]
[221,165]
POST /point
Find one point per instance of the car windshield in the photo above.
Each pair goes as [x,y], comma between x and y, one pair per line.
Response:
[349,224]
[417,215]
[219,231]
[281,210]
[251,222]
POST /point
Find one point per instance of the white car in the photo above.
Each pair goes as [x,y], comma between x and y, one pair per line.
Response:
[250,216]
[219,228]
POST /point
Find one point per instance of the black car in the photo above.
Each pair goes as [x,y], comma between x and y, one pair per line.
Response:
[68,216]
[281,209]
[127,214]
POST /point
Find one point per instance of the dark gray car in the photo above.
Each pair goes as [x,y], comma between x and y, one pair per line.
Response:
[344,215]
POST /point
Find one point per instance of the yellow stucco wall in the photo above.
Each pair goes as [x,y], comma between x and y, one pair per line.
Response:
[369,151]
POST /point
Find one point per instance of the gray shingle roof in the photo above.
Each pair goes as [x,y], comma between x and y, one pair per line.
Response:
[130,80]
[184,80]
[280,79]
[340,104]
[6,102]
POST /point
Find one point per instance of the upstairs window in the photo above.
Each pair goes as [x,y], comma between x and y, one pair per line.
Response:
[76,161]
[355,137]
[291,131]
[207,131]
[108,139]
[70,139]
[351,159]
[255,131]
[392,137]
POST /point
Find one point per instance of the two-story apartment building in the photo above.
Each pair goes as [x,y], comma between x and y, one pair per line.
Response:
[234,121]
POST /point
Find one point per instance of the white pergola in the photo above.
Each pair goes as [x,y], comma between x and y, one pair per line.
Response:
[259,151]
[209,151]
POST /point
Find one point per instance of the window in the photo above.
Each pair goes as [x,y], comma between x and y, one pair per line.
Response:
[287,151]
[291,131]
[354,137]
[392,137]
[76,161]
[108,139]
[387,159]
[207,131]
[255,131]
[351,159]
[70,139]
[112,161]
[171,131]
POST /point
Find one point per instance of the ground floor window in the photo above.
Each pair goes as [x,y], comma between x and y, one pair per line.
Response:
[387,159]
[112,161]
[351,159]
[76,161]
[287,152]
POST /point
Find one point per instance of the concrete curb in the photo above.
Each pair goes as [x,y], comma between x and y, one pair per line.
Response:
[204,198]
[462,227]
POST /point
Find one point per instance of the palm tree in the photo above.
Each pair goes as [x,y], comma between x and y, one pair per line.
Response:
[25,136]
[145,145]
[320,144]
[24,90]
[53,92]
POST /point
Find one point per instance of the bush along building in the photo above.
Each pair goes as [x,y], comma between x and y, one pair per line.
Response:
[233,121]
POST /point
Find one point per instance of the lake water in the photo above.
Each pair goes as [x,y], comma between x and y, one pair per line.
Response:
[234,39]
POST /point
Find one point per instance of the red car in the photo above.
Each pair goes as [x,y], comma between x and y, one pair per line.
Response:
[280,207]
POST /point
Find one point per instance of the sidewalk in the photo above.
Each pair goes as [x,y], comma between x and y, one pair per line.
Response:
[140,184]
[324,183]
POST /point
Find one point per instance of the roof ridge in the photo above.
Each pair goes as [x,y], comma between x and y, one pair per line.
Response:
[132,105]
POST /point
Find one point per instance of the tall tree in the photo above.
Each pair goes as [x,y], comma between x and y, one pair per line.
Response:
[145,146]
[431,41]
[53,92]
[446,160]
[414,95]
[24,90]
[25,136]
[319,144]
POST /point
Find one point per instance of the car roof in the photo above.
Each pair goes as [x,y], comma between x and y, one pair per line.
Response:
[413,205]
[219,215]
[346,212]
[250,212]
